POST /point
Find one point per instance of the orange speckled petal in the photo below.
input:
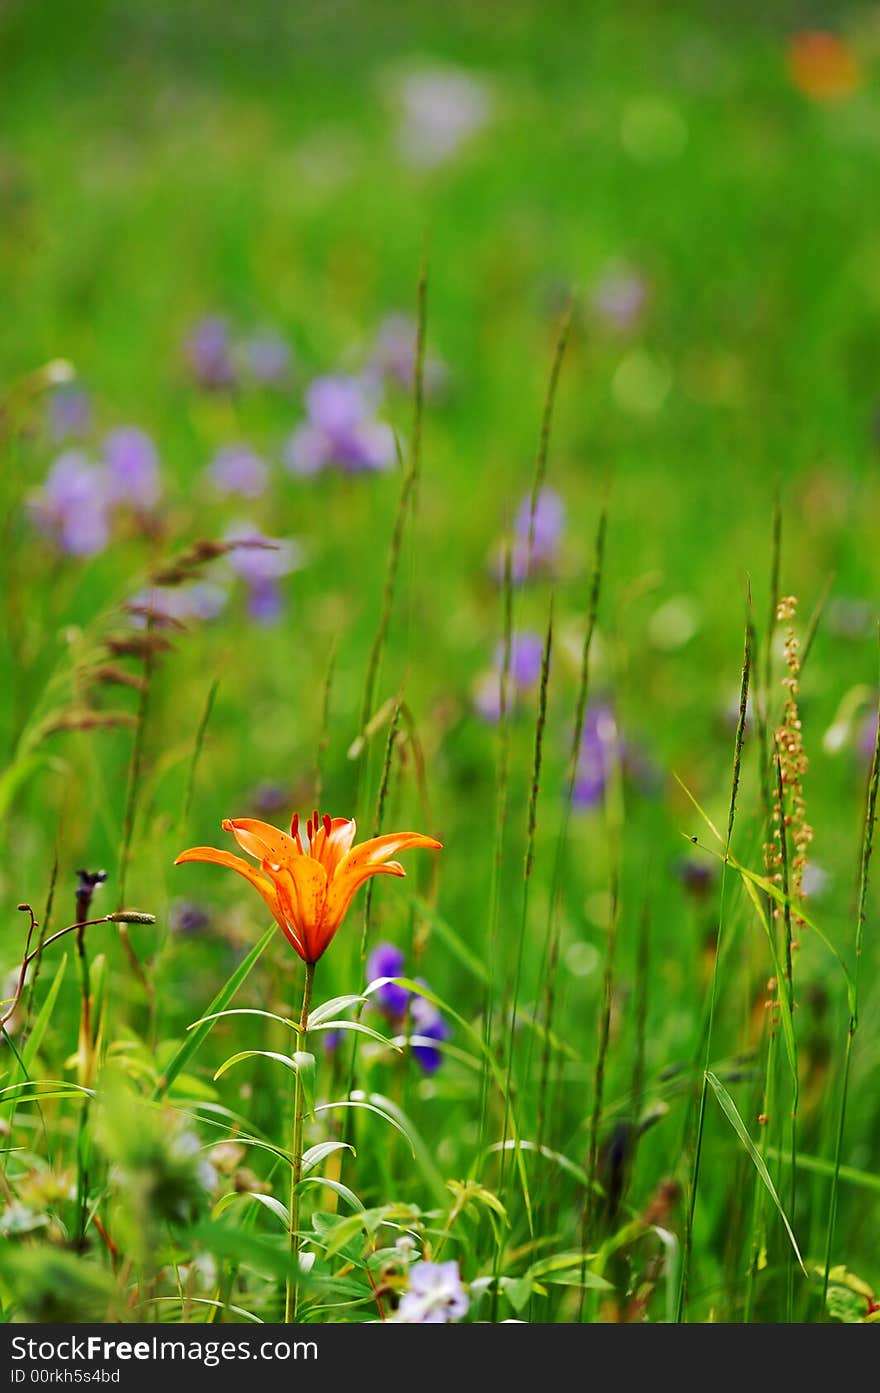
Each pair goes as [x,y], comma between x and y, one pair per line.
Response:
[302,889]
[262,840]
[330,848]
[235,863]
[367,859]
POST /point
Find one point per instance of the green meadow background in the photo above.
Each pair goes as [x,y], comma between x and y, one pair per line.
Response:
[163,162]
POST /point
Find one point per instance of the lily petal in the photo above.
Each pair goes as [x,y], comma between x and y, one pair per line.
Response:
[244,868]
[368,859]
[261,839]
[330,847]
[302,890]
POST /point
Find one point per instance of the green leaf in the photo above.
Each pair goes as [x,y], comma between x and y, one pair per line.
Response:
[188,1047]
[331,1008]
[336,1186]
[267,1201]
[729,1108]
[246,1011]
[316,1154]
[360,1030]
[364,1106]
[285,1059]
[35,1039]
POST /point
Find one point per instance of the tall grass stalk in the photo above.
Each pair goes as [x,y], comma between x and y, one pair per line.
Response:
[739,741]
[788,987]
[405,504]
[500,821]
[869,822]
[554,923]
[512,1010]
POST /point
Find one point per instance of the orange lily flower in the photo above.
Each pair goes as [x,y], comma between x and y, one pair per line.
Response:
[309,883]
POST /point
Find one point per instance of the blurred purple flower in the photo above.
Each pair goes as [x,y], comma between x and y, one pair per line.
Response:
[267,358]
[388,961]
[696,875]
[434,1296]
[71,507]
[619,297]
[270,797]
[394,355]
[188,918]
[70,413]
[526,653]
[396,1003]
[599,749]
[261,567]
[199,601]
[549,522]
[239,469]
[440,109]
[340,430]
[132,469]
[209,353]
[428,1024]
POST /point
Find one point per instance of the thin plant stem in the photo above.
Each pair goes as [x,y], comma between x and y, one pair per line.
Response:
[528,865]
[291,1304]
[739,740]
[867,847]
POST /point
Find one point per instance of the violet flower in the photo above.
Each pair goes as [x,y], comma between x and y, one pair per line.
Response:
[267,358]
[398,1004]
[239,469]
[547,529]
[340,431]
[72,506]
[599,750]
[526,655]
[209,353]
[261,568]
[435,1295]
[394,356]
[132,469]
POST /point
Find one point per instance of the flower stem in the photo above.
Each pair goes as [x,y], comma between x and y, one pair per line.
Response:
[291,1303]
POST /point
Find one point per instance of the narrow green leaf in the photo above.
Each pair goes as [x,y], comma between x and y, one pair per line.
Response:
[729,1108]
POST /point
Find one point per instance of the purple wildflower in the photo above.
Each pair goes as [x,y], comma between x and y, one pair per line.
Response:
[70,413]
[132,469]
[619,297]
[388,961]
[599,749]
[549,521]
[434,1296]
[209,353]
[697,876]
[394,355]
[200,601]
[340,430]
[270,797]
[441,108]
[71,508]
[261,567]
[267,358]
[397,1003]
[867,738]
[188,918]
[427,1024]
[239,469]
[526,654]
